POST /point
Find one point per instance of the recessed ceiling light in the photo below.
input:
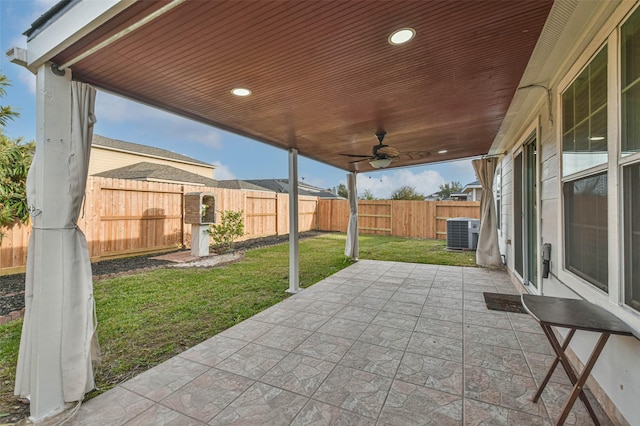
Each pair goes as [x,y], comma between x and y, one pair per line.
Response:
[442,151]
[402,36]
[241,91]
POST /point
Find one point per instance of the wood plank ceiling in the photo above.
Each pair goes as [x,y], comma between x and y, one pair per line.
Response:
[324,78]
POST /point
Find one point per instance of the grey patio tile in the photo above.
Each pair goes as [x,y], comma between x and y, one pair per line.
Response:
[403,308]
[165,378]
[307,321]
[481,413]
[503,389]
[422,291]
[418,280]
[372,358]
[524,322]
[158,415]
[476,296]
[554,397]
[490,336]
[405,297]
[440,313]
[496,358]
[248,330]
[446,292]
[444,302]
[409,404]
[333,296]
[368,302]
[395,320]
[389,337]
[296,302]
[346,288]
[495,320]
[208,394]
[212,351]
[378,293]
[540,364]
[440,328]
[434,373]
[448,285]
[274,315]
[252,361]
[323,307]
[534,342]
[325,347]
[298,373]
[436,346]
[261,404]
[355,390]
[317,413]
[357,313]
[343,327]
[115,407]
[283,337]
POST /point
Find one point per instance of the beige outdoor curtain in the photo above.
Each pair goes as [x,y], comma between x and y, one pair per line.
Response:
[58,283]
[488,251]
[351,246]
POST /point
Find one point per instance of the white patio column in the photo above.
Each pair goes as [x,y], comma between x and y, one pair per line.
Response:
[351,248]
[53,136]
[294,251]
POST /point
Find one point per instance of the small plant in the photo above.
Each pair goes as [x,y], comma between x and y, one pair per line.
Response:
[228,230]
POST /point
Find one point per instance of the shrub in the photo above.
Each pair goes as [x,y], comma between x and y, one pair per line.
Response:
[228,230]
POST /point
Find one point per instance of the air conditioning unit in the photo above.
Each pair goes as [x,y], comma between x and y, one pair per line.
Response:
[462,233]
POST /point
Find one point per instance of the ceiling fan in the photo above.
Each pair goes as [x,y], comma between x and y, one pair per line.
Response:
[383,154]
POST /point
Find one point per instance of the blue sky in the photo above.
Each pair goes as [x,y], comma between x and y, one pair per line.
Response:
[236,157]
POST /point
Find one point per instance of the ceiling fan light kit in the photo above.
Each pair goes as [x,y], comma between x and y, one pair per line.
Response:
[380,163]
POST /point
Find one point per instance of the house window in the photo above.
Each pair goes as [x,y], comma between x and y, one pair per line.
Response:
[630,80]
[584,169]
[632,235]
[584,118]
[630,149]
[585,217]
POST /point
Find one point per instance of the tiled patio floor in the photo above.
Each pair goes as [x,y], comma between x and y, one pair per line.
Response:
[382,343]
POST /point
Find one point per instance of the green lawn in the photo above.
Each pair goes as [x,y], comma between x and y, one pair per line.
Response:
[147,318]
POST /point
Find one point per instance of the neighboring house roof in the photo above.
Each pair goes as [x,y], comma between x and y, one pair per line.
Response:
[473,185]
[239,184]
[144,150]
[282,186]
[158,173]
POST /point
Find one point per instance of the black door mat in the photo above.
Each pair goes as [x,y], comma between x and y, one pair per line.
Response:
[504,302]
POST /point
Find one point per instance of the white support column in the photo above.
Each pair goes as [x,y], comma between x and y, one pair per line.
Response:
[294,250]
[53,141]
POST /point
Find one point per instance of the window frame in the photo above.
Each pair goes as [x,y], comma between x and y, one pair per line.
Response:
[614,301]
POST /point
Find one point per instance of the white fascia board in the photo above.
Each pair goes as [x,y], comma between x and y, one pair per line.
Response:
[84,17]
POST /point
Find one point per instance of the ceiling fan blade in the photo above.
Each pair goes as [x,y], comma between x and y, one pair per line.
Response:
[356,155]
[357,161]
[389,151]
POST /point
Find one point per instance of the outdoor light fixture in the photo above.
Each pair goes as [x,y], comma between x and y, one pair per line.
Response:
[241,91]
[380,163]
[402,36]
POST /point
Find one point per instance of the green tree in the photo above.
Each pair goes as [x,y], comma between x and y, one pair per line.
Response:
[367,195]
[446,189]
[15,160]
[343,191]
[406,192]
[228,230]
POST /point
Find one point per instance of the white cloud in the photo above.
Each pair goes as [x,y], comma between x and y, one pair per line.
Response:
[382,185]
[222,171]
[204,135]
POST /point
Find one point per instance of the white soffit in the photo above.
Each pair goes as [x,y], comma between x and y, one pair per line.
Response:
[569,28]
[69,27]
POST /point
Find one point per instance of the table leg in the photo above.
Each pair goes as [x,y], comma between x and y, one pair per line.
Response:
[577,388]
[565,344]
[566,365]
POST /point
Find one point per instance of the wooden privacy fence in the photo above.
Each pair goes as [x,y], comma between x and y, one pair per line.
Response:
[413,219]
[122,217]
